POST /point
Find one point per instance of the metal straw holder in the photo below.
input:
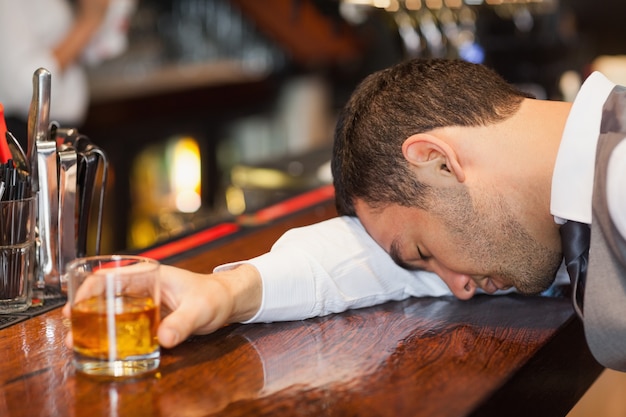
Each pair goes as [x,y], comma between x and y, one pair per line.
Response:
[63,167]
[70,169]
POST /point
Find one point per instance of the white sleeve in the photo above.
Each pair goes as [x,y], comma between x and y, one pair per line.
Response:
[330,267]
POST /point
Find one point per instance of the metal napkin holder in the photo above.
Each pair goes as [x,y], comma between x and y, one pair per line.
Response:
[65,170]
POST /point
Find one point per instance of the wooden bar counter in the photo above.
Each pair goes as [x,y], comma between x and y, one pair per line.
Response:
[492,355]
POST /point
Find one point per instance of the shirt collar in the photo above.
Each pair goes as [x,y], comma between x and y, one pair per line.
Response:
[572,179]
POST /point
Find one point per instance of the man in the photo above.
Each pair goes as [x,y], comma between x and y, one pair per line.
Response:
[443,172]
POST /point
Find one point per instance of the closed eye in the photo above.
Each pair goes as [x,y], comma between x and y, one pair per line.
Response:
[422,256]
[396,256]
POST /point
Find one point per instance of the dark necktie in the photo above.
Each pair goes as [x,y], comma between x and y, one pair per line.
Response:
[575,239]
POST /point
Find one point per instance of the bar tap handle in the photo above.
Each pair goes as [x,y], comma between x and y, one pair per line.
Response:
[42,154]
[38,119]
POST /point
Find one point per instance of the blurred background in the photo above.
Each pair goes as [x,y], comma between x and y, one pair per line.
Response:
[220,107]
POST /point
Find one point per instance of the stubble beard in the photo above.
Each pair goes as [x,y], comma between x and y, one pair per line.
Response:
[490,235]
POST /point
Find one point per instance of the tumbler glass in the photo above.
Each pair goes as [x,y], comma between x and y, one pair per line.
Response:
[114,301]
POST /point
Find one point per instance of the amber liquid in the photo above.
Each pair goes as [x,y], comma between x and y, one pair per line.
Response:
[134,331]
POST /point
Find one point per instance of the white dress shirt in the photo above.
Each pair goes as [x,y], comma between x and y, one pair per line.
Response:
[29,29]
[572,181]
[329,267]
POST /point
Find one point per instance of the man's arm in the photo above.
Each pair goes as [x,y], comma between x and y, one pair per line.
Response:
[329,267]
[310,271]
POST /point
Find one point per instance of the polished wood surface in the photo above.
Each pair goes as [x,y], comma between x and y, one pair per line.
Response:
[501,356]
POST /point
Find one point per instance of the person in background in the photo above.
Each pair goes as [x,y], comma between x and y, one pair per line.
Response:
[56,35]
[448,180]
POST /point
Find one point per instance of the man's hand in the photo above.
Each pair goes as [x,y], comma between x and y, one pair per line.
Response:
[201,304]
[193,303]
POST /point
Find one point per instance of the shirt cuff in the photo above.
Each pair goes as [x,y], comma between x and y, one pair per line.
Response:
[288,288]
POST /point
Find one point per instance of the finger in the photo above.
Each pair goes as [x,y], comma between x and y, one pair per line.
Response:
[168,337]
[66,311]
[182,322]
[69,341]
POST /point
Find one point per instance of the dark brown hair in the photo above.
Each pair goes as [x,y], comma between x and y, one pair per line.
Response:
[412,97]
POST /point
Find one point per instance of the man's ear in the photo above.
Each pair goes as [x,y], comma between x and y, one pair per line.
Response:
[432,154]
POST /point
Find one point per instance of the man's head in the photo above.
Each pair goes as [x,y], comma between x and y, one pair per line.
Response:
[391,105]
[415,159]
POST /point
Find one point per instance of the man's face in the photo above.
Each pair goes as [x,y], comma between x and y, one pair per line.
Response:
[469,244]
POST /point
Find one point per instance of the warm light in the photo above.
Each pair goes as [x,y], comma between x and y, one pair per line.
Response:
[434,4]
[258,177]
[185,175]
[188,201]
[361,2]
[235,200]
[142,233]
[454,4]
[393,6]
[413,4]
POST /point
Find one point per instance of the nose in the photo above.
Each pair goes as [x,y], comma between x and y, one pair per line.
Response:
[462,285]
